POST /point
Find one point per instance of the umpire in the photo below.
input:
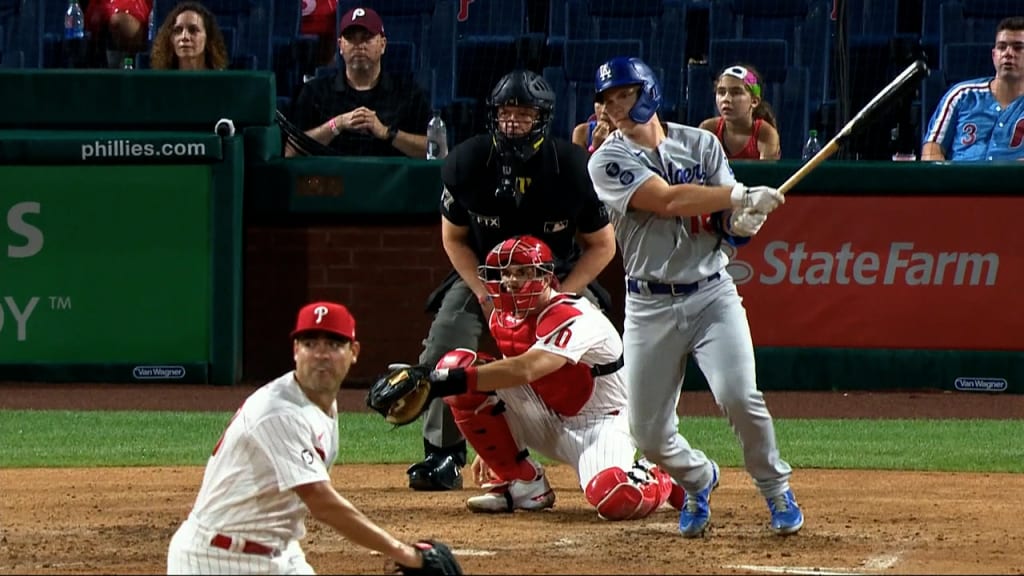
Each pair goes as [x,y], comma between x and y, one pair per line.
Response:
[513,180]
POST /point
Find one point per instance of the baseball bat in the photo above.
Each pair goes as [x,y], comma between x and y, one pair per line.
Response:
[911,72]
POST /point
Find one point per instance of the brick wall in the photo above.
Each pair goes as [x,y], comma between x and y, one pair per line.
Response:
[384,274]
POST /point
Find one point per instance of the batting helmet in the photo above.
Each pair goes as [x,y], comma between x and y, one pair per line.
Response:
[623,71]
[516,273]
[527,89]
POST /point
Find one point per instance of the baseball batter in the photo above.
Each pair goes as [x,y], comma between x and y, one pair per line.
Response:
[673,200]
[558,391]
[271,466]
[983,119]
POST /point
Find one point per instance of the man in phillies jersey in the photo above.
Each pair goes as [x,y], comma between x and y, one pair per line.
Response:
[558,391]
[983,119]
[271,466]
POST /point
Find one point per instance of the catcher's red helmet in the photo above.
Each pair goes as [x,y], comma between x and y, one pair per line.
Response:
[517,273]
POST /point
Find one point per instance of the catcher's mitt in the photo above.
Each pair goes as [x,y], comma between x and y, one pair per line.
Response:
[401,395]
[438,560]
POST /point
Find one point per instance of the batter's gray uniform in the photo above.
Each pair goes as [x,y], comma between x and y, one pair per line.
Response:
[708,321]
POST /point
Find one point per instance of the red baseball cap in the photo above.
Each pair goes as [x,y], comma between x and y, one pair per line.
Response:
[325,317]
[364,17]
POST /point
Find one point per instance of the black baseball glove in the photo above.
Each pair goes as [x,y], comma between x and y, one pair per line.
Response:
[402,394]
[438,560]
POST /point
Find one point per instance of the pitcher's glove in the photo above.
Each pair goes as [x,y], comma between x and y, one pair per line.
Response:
[438,560]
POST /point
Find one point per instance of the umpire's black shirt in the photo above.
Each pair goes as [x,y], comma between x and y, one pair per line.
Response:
[395,99]
[558,202]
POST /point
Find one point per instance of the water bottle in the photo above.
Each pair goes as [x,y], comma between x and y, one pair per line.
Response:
[74,21]
[437,137]
[812,146]
[128,64]
[152,18]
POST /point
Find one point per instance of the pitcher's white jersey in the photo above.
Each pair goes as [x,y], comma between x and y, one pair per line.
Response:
[675,250]
[277,440]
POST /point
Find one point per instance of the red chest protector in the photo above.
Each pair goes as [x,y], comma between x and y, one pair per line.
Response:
[567,389]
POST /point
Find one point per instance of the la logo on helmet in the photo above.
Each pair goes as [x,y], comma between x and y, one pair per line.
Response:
[605,71]
[320,312]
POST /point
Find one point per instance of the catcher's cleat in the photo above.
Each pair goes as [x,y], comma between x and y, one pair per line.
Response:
[696,513]
[517,494]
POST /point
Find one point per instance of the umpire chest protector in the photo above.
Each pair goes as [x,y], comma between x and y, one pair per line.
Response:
[552,197]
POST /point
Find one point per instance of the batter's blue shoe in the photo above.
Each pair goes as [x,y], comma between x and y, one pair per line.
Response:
[786,515]
[696,512]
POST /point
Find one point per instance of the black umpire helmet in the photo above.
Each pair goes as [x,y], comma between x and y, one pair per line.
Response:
[527,89]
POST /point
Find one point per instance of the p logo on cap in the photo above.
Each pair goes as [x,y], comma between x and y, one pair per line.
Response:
[320,312]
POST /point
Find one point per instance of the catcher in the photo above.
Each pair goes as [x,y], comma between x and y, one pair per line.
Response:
[558,391]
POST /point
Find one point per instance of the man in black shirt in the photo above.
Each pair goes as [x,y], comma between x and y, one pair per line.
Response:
[362,111]
[513,180]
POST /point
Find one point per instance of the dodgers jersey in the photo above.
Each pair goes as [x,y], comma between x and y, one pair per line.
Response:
[656,248]
[971,123]
[278,439]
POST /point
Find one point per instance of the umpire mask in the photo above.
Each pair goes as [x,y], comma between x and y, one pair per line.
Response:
[519,114]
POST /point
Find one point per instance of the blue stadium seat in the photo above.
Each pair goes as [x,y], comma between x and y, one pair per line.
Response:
[430,26]
[491,19]
[573,80]
[964,61]
[658,25]
[804,24]
[487,44]
[252,21]
[23,33]
[970,20]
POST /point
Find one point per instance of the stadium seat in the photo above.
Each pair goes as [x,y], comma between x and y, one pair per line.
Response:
[573,79]
[964,61]
[487,46]
[430,26]
[252,21]
[804,24]
[970,20]
[659,26]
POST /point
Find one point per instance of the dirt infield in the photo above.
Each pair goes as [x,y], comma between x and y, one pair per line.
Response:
[78,521]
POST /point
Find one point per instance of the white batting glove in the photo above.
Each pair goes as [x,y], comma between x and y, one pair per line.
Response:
[762,199]
[745,223]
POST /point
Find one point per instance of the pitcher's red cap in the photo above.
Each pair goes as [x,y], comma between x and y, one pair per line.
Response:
[325,317]
[365,17]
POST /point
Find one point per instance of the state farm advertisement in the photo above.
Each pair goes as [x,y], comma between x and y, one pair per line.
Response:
[887,272]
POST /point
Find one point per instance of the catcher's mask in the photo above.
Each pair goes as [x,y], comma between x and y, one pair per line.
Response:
[517,273]
[525,89]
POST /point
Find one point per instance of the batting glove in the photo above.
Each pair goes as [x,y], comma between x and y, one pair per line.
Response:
[758,199]
[745,223]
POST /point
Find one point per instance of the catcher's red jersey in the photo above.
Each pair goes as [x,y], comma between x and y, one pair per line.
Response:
[574,328]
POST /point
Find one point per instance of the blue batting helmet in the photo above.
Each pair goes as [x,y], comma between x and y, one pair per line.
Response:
[624,71]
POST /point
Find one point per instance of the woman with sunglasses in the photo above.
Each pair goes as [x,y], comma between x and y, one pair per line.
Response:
[745,124]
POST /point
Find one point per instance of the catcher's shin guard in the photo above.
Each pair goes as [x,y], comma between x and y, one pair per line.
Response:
[481,419]
[628,494]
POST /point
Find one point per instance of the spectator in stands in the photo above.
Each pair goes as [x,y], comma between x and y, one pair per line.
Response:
[119,26]
[361,110]
[983,119]
[745,124]
[592,133]
[318,19]
[189,39]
